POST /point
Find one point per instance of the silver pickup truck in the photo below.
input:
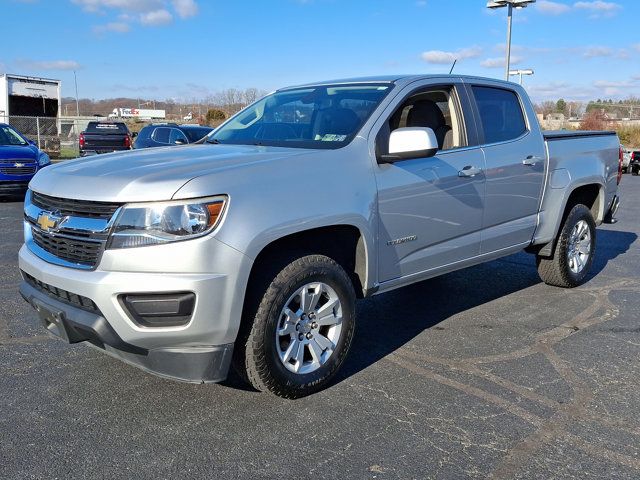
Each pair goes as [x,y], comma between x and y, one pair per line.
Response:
[251,248]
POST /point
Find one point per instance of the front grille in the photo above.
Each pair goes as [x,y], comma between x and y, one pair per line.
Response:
[13,170]
[72,250]
[62,295]
[75,208]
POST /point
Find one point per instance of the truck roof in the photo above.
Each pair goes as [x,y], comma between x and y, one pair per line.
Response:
[407,78]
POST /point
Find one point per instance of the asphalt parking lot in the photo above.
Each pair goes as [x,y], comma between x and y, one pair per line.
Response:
[486,372]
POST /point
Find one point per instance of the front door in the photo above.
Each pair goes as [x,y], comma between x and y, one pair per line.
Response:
[430,209]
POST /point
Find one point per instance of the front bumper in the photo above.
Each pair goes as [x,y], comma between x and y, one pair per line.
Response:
[74,325]
[9,187]
[198,351]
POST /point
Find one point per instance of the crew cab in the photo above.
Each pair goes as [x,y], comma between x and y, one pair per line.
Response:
[104,137]
[20,159]
[251,248]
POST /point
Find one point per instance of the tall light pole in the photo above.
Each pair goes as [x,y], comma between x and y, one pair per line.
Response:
[521,73]
[75,79]
[510,4]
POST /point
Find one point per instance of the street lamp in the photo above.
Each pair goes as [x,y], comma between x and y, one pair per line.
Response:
[521,73]
[511,4]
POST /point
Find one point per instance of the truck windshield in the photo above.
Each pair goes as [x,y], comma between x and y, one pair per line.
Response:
[8,136]
[326,116]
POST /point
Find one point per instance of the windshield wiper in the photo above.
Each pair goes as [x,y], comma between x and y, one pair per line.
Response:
[213,141]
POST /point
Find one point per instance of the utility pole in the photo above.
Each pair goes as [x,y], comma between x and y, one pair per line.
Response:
[75,79]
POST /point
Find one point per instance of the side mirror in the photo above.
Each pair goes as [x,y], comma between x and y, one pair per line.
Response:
[410,142]
[134,134]
[180,142]
[31,142]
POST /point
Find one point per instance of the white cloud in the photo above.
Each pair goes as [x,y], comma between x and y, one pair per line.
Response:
[99,6]
[144,12]
[599,8]
[593,52]
[49,64]
[552,8]
[118,27]
[441,57]
[498,62]
[185,8]
[156,17]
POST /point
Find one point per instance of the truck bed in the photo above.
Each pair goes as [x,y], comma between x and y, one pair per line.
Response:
[565,134]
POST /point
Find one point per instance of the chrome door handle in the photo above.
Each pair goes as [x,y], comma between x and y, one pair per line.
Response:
[469,171]
[531,161]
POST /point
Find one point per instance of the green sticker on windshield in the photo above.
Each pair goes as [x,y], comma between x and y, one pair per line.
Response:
[331,137]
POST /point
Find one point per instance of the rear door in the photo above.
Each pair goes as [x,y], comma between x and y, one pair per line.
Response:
[515,167]
[430,214]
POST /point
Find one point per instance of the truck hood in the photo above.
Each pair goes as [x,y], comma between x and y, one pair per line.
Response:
[148,174]
[18,152]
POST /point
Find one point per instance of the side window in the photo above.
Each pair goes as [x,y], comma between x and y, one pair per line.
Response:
[500,114]
[161,135]
[177,135]
[436,108]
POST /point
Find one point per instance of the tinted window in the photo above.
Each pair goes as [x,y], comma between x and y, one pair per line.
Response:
[106,128]
[500,114]
[161,135]
[196,134]
[177,135]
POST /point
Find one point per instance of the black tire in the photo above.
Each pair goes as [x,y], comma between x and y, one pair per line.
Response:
[555,270]
[256,353]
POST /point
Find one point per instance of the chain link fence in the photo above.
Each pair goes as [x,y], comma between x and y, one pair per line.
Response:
[56,136]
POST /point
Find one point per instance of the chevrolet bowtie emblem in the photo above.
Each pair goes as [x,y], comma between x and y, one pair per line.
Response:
[18,165]
[48,221]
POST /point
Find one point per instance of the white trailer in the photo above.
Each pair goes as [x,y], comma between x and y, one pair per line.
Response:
[22,96]
[141,113]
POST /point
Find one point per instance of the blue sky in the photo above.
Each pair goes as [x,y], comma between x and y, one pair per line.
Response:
[188,49]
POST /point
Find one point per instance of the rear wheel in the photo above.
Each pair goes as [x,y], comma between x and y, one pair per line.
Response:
[573,256]
[302,329]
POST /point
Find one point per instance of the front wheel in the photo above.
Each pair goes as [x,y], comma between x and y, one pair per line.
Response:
[302,329]
[573,256]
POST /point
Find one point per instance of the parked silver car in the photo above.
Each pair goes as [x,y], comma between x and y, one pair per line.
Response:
[253,247]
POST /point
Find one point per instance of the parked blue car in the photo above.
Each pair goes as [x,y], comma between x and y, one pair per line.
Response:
[20,159]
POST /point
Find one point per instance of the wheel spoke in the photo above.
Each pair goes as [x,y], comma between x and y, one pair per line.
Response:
[288,329]
[292,349]
[585,248]
[325,315]
[299,356]
[290,323]
[308,301]
[316,351]
[323,342]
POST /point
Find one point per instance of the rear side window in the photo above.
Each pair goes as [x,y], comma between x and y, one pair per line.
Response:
[161,135]
[500,113]
[177,135]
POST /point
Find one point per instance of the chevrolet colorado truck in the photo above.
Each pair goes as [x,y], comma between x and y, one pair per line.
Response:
[251,248]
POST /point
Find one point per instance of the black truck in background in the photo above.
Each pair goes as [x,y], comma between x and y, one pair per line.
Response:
[104,137]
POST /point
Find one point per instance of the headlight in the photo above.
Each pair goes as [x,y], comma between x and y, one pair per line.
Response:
[157,223]
[43,159]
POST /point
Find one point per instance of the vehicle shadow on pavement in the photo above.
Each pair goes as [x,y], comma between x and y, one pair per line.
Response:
[389,321]
[610,244]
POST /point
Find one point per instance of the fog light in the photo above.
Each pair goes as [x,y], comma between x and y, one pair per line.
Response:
[159,309]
